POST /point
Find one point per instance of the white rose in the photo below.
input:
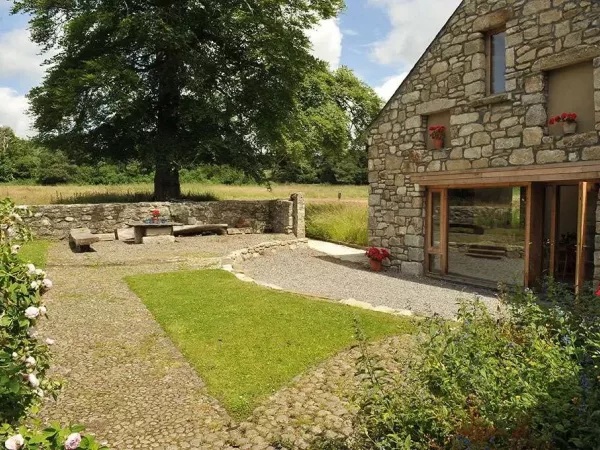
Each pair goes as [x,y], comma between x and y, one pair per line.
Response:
[35,285]
[30,269]
[47,283]
[15,355]
[30,361]
[15,249]
[32,312]
[50,341]
[15,442]
[33,380]
[73,441]
[40,273]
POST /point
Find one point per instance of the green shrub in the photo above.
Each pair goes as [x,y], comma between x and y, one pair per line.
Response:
[525,379]
[53,437]
[340,222]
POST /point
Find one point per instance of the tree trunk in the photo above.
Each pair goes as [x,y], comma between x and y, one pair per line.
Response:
[166,183]
[167,146]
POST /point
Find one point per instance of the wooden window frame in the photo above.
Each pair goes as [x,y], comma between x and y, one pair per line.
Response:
[489,60]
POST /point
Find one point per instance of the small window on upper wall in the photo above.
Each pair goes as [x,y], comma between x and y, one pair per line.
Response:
[496,59]
[571,90]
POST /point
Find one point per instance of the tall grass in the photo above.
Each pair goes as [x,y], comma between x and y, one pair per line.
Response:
[340,222]
[39,195]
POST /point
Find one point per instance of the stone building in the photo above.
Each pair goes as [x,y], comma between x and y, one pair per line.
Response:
[507,196]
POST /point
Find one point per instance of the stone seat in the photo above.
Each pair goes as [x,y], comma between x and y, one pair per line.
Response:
[81,239]
[188,230]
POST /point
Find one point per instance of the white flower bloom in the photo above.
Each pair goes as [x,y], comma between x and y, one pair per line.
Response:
[30,361]
[73,441]
[32,312]
[15,249]
[33,380]
[30,269]
[14,442]
[43,310]
[35,285]
[40,273]
[47,283]
[50,341]
[15,355]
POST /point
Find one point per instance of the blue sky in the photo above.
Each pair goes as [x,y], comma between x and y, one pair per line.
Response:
[379,39]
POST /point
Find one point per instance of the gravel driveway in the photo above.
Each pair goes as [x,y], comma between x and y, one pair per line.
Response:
[314,273]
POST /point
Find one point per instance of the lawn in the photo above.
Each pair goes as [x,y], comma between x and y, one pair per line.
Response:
[247,341]
[37,195]
[35,252]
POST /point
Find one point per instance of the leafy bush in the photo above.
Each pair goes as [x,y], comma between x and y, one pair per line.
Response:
[24,360]
[525,379]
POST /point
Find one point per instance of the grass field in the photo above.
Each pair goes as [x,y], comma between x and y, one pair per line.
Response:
[38,195]
[35,252]
[340,222]
[246,341]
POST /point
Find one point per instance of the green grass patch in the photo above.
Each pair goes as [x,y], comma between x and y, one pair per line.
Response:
[342,222]
[247,341]
[35,252]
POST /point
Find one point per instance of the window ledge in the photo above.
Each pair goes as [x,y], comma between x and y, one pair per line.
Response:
[492,99]
[579,139]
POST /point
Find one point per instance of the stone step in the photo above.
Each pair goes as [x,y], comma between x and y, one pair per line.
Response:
[484,256]
[482,251]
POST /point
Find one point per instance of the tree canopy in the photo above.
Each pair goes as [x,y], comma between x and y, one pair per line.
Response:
[172,82]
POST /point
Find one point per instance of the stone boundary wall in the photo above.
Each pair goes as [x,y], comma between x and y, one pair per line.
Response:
[242,216]
[259,250]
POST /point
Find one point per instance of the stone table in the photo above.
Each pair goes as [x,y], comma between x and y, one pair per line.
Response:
[143,229]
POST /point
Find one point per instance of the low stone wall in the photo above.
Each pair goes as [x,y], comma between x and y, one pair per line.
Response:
[263,249]
[251,216]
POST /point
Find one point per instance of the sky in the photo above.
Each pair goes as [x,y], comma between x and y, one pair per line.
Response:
[379,39]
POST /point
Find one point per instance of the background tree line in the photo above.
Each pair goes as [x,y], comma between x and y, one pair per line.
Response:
[323,143]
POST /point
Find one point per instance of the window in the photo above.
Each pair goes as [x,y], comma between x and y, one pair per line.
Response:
[571,90]
[496,54]
[441,118]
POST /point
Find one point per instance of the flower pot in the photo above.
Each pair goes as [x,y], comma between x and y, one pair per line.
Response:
[438,143]
[569,127]
[376,266]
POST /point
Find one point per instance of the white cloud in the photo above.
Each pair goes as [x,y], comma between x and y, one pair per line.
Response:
[326,39]
[13,112]
[415,24]
[390,85]
[19,57]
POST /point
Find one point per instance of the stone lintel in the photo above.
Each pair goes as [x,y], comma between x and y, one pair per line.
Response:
[435,106]
[492,99]
[567,58]
[492,20]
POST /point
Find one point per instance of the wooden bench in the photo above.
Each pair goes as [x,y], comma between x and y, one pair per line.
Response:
[189,230]
[81,239]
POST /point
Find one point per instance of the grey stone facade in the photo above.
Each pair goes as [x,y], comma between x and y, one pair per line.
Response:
[486,131]
[243,216]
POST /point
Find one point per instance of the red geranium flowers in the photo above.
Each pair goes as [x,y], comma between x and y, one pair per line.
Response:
[377,254]
[155,213]
[564,117]
[437,131]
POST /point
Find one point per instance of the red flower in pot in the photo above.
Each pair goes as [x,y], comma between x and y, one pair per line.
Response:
[155,215]
[376,257]
[568,121]
[437,132]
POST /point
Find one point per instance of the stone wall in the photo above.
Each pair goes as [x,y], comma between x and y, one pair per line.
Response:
[252,216]
[507,129]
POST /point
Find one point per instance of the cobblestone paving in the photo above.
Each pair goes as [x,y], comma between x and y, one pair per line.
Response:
[131,386]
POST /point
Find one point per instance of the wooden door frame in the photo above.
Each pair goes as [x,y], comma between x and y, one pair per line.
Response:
[430,249]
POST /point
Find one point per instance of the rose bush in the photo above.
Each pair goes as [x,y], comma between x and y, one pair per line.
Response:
[24,358]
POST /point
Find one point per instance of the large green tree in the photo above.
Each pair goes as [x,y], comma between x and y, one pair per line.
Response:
[171,82]
[324,140]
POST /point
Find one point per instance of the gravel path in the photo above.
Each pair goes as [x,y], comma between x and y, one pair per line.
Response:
[132,388]
[311,272]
